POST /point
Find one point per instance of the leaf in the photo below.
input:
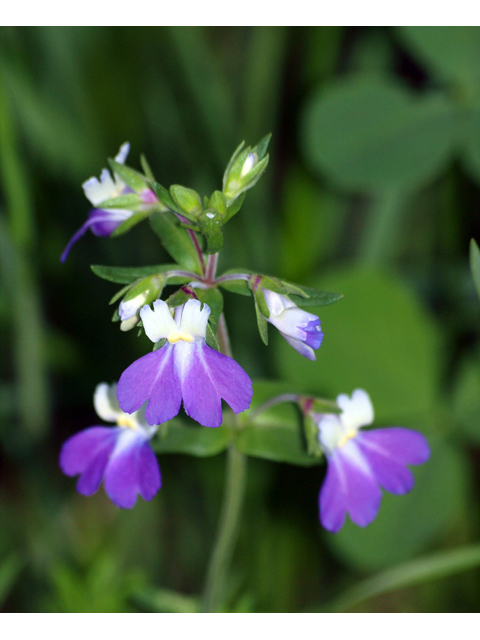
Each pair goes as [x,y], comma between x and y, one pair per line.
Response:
[126,275]
[130,222]
[211,339]
[368,135]
[379,338]
[128,201]
[236,286]
[214,299]
[130,177]
[164,196]
[234,207]
[166,601]
[466,398]
[471,142]
[433,567]
[176,240]
[175,437]
[317,298]
[275,434]
[262,323]
[146,168]
[122,292]
[407,524]
[452,52]
[475,264]
[187,200]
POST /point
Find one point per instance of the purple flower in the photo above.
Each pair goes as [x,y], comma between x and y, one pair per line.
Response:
[184,368]
[359,463]
[299,328]
[120,456]
[103,222]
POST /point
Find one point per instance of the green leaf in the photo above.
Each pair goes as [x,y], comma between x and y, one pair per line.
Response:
[234,207]
[452,52]
[236,286]
[210,338]
[130,222]
[166,601]
[126,275]
[176,240]
[175,437]
[275,434]
[262,146]
[122,292]
[317,298]
[407,524]
[368,135]
[179,297]
[146,168]
[466,398]
[130,177]
[471,142]
[262,323]
[128,201]
[164,197]
[214,299]
[475,264]
[421,570]
[380,339]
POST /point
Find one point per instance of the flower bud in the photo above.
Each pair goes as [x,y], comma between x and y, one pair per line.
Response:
[245,169]
[145,292]
[299,328]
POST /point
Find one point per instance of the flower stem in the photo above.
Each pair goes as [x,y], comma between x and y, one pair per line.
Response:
[227,533]
[216,580]
[211,269]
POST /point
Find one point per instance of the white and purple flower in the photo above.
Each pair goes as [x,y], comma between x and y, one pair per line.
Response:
[359,463]
[299,328]
[120,456]
[184,368]
[103,222]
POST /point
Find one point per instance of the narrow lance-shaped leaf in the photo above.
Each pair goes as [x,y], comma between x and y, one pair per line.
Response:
[176,240]
[126,275]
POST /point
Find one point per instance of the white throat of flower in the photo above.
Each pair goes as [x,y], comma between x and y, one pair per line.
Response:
[189,324]
[108,409]
[335,431]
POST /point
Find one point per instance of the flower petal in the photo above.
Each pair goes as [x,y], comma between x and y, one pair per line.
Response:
[149,479]
[157,323]
[88,453]
[404,445]
[194,318]
[206,377]
[390,474]
[151,378]
[302,348]
[357,411]
[79,450]
[102,223]
[106,403]
[124,476]
[350,487]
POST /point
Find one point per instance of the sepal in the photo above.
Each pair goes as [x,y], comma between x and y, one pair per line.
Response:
[187,200]
[133,179]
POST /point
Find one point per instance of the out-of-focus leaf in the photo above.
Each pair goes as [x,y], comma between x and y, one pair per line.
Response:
[368,135]
[10,569]
[475,264]
[164,196]
[406,524]
[433,567]
[317,298]
[466,399]
[129,176]
[380,339]
[174,437]
[176,240]
[130,222]
[126,275]
[166,601]
[275,434]
[452,52]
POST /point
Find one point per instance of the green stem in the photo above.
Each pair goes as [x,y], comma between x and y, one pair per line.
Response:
[227,533]
[217,572]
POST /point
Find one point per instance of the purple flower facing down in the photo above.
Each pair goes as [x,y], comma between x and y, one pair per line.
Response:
[184,368]
[103,222]
[299,328]
[120,456]
[359,463]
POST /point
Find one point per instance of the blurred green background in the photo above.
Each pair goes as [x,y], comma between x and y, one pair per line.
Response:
[372,191]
